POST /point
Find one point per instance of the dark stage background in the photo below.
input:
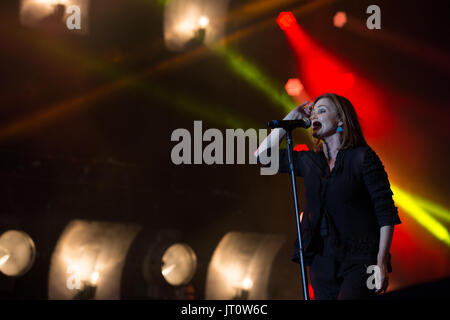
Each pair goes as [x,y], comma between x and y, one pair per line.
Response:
[83,137]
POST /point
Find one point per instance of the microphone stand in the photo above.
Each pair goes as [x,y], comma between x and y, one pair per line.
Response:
[297,216]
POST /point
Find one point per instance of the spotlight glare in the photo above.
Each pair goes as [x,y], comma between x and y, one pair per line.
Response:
[247,284]
[179,263]
[339,19]
[186,26]
[301,147]
[94,277]
[4,259]
[203,22]
[286,20]
[18,253]
[293,87]
[190,23]
[166,270]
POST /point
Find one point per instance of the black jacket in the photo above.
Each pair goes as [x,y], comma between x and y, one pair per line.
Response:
[351,203]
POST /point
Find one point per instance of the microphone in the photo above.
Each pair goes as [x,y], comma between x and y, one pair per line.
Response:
[290,124]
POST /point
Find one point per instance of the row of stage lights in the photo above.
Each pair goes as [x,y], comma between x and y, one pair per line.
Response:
[97,260]
[187,23]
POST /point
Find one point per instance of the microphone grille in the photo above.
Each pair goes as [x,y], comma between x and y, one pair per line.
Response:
[307,122]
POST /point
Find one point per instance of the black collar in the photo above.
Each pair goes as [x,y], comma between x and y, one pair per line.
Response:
[320,161]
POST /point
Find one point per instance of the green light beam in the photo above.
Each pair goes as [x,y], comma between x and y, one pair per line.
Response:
[256,78]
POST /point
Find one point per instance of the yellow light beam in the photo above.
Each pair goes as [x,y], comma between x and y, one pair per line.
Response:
[433,208]
[410,206]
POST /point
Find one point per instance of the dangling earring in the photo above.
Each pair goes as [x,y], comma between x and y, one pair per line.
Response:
[339,129]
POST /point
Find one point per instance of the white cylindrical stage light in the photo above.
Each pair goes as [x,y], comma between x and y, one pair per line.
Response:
[241,265]
[179,263]
[105,260]
[188,23]
[88,260]
[17,253]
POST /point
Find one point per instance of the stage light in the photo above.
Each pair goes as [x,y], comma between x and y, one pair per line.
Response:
[301,147]
[241,266]
[94,277]
[189,23]
[168,260]
[159,266]
[203,22]
[179,263]
[4,257]
[52,15]
[88,260]
[247,284]
[286,20]
[17,253]
[105,260]
[293,87]
[339,19]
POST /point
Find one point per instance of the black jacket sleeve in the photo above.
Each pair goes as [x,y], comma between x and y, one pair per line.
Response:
[377,183]
[284,162]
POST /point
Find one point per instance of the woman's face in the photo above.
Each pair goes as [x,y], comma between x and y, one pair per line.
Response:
[324,118]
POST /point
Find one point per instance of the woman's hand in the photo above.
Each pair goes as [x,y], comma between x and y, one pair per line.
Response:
[278,133]
[300,112]
[383,281]
[386,233]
